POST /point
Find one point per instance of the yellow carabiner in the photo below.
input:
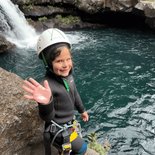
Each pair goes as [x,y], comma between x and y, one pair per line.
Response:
[66,147]
[73,136]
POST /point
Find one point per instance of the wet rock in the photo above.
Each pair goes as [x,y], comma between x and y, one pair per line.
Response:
[90,12]
[5,45]
[20,125]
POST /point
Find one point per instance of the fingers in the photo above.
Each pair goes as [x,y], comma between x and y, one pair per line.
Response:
[46,84]
[29,84]
[85,119]
[29,97]
[34,82]
[29,90]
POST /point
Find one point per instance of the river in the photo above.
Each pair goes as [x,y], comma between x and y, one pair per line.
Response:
[115,74]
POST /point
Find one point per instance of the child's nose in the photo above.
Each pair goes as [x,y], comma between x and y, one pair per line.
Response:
[64,64]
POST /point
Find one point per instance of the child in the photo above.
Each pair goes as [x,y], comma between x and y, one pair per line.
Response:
[57,96]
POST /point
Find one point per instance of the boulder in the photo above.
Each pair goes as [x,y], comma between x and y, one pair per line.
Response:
[148,7]
[20,125]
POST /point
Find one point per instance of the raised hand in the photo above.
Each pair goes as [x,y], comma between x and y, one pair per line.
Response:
[37,92]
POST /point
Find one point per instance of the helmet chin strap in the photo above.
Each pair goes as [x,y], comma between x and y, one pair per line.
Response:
[45,63]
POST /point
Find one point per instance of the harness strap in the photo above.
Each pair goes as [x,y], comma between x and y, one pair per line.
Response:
[65,126]
[53,127]
[68,135]
[56,135]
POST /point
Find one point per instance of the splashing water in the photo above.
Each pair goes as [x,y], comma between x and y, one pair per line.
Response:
[14,26]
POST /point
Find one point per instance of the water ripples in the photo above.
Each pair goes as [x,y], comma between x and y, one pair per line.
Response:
[115,75]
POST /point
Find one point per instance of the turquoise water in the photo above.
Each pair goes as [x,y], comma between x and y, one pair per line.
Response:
[115,75]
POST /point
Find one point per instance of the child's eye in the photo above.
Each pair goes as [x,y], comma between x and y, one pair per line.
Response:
[59,61]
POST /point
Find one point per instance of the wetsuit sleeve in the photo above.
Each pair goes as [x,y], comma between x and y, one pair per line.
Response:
[46,112]
[78,102]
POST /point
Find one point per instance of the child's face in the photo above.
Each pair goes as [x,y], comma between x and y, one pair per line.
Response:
[62,64]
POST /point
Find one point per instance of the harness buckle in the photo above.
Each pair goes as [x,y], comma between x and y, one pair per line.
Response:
[65,126]
[53,128]
[66,147]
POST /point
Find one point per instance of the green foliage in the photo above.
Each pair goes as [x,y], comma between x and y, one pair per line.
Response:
[68,19]
[28,7]
[78,2]
[50,7]
[93,144]
[42,19]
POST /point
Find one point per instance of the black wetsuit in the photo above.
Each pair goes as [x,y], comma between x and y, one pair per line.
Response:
[61,110]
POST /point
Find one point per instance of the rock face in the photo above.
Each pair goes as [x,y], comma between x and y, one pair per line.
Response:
[20,126]
[90,13]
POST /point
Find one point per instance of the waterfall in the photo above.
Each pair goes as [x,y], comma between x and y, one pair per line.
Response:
[14,27]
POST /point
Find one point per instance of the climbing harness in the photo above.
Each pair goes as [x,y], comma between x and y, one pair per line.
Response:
[68,135]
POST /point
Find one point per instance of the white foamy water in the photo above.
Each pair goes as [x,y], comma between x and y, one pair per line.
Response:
[15,27]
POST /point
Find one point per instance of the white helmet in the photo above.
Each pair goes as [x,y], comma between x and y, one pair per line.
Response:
[50,37]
